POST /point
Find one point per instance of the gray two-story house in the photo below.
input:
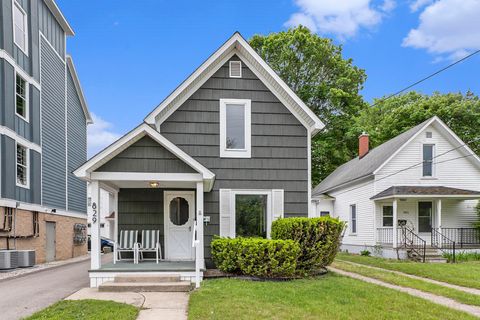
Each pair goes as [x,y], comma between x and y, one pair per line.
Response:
[226,153]
[43,121]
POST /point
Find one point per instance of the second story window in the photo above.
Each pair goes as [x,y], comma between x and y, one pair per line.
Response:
[22,166]
[21,97]
[235,128]
[428,150]
[20,27]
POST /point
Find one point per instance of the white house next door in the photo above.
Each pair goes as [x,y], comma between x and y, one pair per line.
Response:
[179,212]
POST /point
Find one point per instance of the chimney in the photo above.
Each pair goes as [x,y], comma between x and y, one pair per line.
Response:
[363,145]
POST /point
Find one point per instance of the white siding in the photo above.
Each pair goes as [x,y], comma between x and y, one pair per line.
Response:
[360,196]
[322,205]
[458,214]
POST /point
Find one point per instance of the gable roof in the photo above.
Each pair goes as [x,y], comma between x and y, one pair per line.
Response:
[358,169]
[130,138]
[239,46]
[78,88]
[59,17]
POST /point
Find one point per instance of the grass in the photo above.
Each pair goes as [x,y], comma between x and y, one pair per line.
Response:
[87,310]
[463,274]
[463,256]
[403,281]
[327,297]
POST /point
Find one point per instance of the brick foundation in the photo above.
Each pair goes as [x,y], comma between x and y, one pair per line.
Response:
[64,248]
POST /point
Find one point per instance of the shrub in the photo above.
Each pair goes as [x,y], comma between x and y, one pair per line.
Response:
[365,253]
[256,257]
[319,239]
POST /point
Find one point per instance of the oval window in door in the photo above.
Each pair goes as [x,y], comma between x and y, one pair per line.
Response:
[179,211]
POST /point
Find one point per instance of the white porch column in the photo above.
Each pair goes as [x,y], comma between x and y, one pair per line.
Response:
[200,254]
[395,224]
[439,215]
[375,218]
[94,217]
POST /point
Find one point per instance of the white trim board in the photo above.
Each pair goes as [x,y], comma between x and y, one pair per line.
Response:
[85,171]
[237,45]
[15,136]
[4,55]
[59,17]
[36,207]
[78,88]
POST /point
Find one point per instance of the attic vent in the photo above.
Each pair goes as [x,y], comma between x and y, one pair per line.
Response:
[235,69]
[429,134]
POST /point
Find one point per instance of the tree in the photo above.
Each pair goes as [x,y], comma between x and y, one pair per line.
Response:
[390,117]
[329,84]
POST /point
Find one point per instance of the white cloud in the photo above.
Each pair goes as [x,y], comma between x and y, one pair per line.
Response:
[447,28]
[418,4]
[99,135]
[339,17]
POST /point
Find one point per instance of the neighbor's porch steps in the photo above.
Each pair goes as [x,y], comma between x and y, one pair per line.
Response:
[432,255]
[146,283]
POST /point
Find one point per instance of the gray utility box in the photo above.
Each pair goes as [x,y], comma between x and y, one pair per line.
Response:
[26,258]
[8,259]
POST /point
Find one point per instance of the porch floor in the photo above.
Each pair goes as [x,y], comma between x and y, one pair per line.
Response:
[147,266]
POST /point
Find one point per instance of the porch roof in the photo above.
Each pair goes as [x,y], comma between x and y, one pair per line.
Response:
[425,191]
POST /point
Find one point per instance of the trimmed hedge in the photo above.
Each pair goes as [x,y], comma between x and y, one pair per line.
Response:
[256,257]
[319,239]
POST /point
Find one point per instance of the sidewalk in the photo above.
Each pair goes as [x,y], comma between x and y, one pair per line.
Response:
[154,305]
[15,273]
[473,310]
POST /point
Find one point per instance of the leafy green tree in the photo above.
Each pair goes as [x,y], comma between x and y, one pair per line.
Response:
[390,117]
[328,83]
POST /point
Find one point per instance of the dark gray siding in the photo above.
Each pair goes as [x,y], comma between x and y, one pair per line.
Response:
[146,155]
[141,209]
[8,177]
[53,129]
[279,143]
[76,148]
[50,28]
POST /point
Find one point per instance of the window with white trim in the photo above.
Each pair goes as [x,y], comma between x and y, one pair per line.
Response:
[22,166]
[324,213]
[353,218]
[387,219]
[21,97]
[235,69]
[235,128]
[428,150]
[20,27]
[251,215]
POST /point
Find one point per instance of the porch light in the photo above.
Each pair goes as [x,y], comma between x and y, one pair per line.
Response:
[154,184]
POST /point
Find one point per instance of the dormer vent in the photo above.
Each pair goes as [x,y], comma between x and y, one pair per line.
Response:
[235,69]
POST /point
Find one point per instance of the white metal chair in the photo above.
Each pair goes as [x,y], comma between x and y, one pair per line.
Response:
[128,242]
[150,243]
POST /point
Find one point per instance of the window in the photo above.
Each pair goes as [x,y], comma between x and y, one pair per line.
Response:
[428,134]
[428,160]
[20,29]
[22,166]
[179,211]
[251,215]
[425,216]
[387,216]
[353,219]
[21,97]
[235,69]
[324,213]
[235,126]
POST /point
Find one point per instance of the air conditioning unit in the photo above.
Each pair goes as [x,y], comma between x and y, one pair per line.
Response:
[26,258]
[8,259]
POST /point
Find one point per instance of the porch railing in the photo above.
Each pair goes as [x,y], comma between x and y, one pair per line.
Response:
[195,243]
[462,236]
[385,235]
[443,243]
[413,243]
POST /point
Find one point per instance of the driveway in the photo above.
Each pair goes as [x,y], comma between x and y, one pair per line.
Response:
[20,297]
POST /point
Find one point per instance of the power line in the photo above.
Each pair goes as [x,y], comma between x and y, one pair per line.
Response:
[426,78]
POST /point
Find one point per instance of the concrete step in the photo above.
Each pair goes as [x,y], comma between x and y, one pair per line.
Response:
[438,259]
[177,286]
[147,278]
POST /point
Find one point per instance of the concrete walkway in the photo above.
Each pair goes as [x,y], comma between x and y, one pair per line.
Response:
[473,310]
[440,283]
[154,305]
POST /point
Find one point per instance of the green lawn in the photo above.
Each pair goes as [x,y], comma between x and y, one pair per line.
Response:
[327,297]
[404,281]
[465,274]
[87,310]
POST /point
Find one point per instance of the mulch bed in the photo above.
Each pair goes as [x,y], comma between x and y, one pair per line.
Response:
[216,274]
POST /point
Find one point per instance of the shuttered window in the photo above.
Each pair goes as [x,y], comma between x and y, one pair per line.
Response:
[245,213]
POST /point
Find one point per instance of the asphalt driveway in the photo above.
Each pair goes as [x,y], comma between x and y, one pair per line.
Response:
[20,297]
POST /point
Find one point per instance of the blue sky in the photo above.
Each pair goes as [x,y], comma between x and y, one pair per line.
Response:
[131,54]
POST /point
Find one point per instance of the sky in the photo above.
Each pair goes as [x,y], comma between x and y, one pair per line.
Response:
[131,54]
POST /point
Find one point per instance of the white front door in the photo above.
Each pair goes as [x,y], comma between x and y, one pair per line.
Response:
[179,212]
